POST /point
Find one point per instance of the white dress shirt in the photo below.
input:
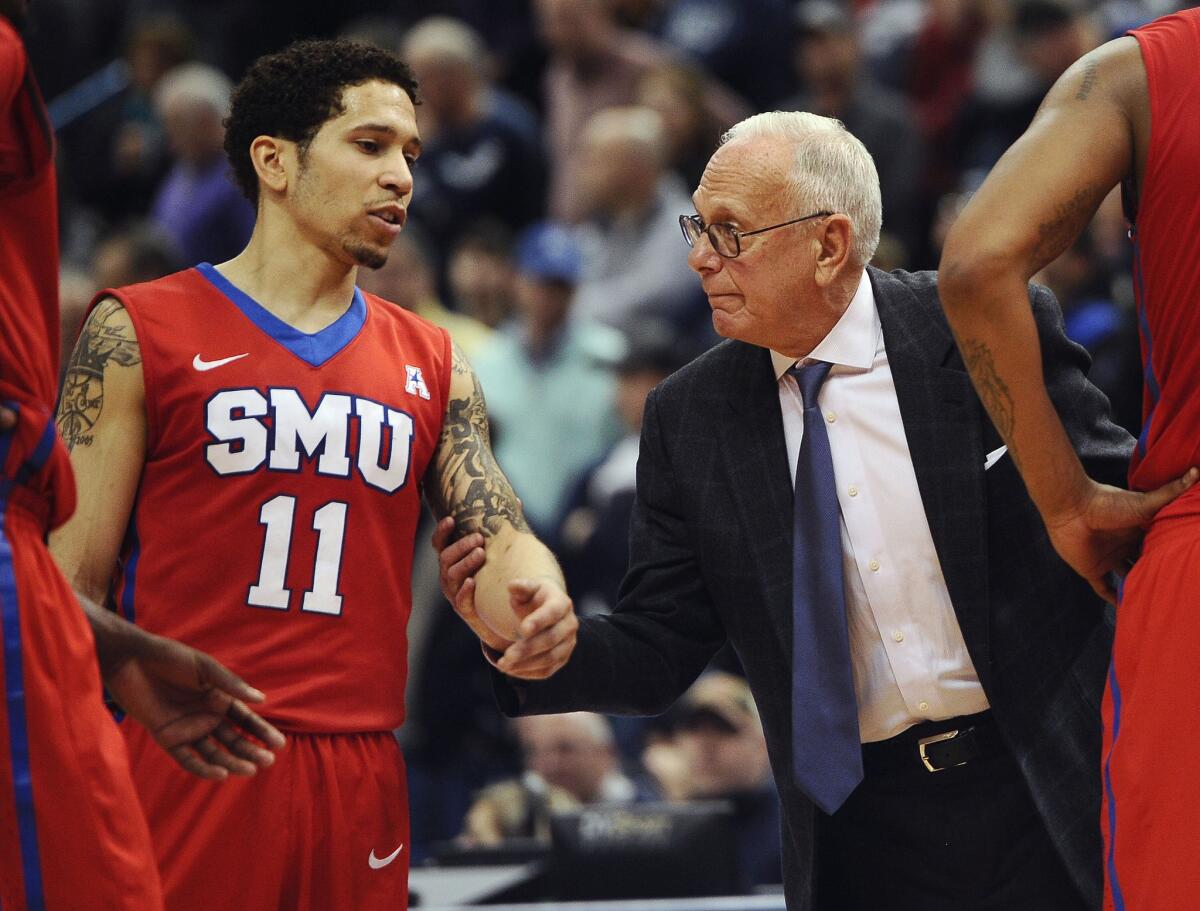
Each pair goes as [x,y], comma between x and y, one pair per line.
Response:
[910,660]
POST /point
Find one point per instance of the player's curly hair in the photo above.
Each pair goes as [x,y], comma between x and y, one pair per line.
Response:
[291,93]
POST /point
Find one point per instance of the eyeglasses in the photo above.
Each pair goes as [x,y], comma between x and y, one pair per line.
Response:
[725,238]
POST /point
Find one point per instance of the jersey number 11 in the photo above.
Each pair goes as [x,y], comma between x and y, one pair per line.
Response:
[329,522]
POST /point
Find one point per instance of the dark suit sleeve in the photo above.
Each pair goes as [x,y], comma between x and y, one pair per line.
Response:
[1103,446]
[639,659]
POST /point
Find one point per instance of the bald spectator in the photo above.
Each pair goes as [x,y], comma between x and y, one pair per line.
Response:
[480,156]
[630,235]
[594,64]
[407,279]
[198,204]
[570,761]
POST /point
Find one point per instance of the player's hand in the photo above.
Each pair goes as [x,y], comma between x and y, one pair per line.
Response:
[8,419]
[1103,534]
[548,625]
[195,709]
[458,563]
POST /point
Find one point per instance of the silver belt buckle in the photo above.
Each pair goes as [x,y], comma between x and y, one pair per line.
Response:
[936,738]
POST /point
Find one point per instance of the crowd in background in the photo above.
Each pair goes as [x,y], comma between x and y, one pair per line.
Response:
[562,140]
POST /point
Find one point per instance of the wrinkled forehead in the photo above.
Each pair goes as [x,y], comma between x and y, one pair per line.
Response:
[745,180]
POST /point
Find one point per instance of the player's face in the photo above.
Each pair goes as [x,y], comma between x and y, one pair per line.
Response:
[354,183]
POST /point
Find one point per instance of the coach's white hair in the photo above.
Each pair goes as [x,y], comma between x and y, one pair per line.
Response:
[194,82]
[832,170]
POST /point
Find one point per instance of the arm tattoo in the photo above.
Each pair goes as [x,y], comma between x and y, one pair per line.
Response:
[1068,220]
[465,480]
[992,390]
[1089,81]
[103,340]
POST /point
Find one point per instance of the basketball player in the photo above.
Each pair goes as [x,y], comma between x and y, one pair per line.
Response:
[251,441]
[1128,113]
[72,835]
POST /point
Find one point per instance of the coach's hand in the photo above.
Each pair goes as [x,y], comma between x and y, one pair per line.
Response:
[194,707]
[547,631]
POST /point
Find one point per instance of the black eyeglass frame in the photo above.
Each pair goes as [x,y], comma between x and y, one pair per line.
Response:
[702,228]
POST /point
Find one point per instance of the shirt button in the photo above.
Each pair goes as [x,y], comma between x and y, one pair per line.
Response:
[853,491]
[830,416]
[923,706]
[874,564]
[898,636]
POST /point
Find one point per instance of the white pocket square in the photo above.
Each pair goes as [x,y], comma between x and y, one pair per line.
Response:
[993,457]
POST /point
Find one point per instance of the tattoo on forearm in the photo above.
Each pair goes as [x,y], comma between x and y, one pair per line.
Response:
[1069,219]
[103,340]
[467,483]
[1089,81]
[992,390]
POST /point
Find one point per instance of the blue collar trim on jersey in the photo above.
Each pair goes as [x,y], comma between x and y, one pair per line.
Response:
[314,349]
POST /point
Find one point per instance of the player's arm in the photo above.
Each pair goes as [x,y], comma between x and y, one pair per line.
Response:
[191,704]
[1039,197]
[520,605]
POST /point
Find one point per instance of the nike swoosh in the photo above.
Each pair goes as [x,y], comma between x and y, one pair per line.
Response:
[993,457]
[203,365]
[377,863]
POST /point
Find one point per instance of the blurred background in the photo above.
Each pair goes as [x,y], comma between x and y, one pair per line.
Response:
[562,141]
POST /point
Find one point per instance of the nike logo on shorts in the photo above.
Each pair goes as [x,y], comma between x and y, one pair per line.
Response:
[202,365]
[378,863]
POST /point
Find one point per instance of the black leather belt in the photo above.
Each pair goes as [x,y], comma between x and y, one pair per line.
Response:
[935,746]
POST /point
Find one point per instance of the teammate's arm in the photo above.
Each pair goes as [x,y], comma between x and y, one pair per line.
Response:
[1085,139]
[192,705]
[518,603]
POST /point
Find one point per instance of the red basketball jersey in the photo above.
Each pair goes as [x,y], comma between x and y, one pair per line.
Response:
[1167,253]
[275,521]
[32,455]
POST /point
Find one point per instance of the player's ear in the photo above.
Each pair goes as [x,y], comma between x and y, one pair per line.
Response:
[269,157]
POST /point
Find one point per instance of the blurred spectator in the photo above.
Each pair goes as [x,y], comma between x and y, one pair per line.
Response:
[1094,320]
[115,155]
[743,43]
[570,761]
[549,396]
[834,84]
[593,538]
[480,274]
[595,64]
[198,204]
[676,92]
[407,279]
[634,263]
[720,738]
[479,157]
[140,252]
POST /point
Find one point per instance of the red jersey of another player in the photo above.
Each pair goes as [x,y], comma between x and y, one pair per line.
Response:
[29,327]
[275,520]
[1167,258]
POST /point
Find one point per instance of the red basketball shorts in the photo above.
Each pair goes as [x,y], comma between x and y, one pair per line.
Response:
[323,829]
[1151,756]
[72,835]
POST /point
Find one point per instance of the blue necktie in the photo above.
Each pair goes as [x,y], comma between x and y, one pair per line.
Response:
[826,747]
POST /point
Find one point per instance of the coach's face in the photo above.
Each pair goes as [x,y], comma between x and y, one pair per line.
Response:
[776,292]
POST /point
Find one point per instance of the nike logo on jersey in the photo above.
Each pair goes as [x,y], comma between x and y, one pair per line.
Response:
[378,863]
[202,365]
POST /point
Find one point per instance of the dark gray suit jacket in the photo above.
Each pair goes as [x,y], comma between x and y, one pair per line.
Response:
[711,558]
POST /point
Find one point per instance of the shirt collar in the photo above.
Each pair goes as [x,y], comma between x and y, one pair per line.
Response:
[853,340]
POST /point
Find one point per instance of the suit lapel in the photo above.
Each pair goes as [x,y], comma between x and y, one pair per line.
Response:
[755,454]
[943,430]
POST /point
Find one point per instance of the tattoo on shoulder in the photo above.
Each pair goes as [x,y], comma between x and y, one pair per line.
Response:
[992,390]
[467,482]
[1089,80]
[104,340]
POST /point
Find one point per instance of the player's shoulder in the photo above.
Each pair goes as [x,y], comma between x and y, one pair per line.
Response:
[404,321]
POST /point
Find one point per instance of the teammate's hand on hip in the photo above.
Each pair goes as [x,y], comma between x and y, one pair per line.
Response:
[195,708]
[8,419]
